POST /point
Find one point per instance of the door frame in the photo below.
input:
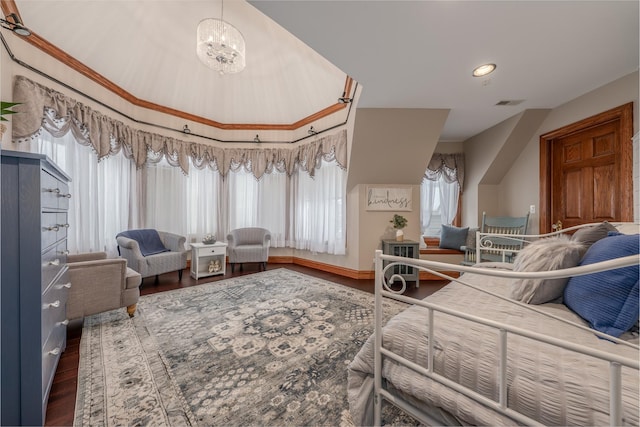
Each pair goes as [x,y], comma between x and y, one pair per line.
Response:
[624,114]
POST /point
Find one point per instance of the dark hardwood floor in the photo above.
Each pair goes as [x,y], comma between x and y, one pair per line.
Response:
[62,397]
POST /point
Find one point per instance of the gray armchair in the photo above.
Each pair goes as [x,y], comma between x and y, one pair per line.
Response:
[248,245]
[99,284]
[151,252]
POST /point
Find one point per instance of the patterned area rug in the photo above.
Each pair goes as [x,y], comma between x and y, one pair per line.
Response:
[270,348]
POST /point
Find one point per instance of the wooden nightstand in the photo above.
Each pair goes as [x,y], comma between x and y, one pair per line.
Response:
[208,260]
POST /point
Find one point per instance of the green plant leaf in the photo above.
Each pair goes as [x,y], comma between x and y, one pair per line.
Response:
[5,109]
[4,104]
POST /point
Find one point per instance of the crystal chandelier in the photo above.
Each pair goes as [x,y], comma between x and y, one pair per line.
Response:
[220,45]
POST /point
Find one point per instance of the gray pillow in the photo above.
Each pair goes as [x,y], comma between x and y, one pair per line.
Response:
[589,235]
[471,238]
[552,253]
[452,237]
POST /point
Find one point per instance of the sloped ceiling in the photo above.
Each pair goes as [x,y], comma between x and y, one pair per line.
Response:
[403,54]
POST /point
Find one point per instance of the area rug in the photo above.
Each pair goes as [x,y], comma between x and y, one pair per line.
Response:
[270,348]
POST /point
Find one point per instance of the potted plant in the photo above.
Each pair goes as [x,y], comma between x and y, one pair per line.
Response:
[399,222]
[5,108]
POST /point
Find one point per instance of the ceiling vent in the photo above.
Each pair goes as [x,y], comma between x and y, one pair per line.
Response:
[510,102]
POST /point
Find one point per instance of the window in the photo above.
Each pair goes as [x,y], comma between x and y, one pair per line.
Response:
[439,203]
[102,193]
[188,205]
[318,209]
[259,203]
[111,195]
[439,192]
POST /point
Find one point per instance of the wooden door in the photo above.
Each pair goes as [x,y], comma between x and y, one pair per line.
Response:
[586,171]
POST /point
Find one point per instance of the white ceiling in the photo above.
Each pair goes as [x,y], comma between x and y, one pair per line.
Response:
[404,54]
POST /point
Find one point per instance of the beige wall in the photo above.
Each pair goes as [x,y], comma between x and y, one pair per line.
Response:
[520,185]
[390,147]
[502,163]
[393,145]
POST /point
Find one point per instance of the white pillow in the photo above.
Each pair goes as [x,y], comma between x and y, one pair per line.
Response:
[552,253]
[628,228]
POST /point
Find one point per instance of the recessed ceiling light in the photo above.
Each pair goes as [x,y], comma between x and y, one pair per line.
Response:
[483,70]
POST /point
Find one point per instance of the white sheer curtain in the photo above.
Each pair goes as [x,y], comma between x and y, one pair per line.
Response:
[439,204]
[181,204]
[258,203]
[318,210]
[111,195]
[103,194]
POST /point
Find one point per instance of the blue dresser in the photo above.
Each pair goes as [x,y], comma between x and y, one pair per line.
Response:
[34,283]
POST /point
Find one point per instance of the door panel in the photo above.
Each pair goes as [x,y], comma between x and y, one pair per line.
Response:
[605,201]
[584,165]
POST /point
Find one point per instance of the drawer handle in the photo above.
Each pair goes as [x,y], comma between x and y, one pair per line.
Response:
[54,304]
[54,262]
[54,352]
[53,190]
[66,285]
[68,195]
[53,228]
[65,322]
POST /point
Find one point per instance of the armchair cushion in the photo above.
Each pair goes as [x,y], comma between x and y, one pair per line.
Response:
[148,241]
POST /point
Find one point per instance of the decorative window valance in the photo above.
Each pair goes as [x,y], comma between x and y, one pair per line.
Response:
[43,107]
[448,166]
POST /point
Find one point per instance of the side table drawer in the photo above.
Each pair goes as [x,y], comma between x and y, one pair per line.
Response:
[212,251]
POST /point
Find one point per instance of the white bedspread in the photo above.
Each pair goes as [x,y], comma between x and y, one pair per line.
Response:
[551,385]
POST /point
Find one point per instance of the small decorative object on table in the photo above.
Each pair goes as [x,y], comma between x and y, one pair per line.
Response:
[209,239]
[214,266]
[399,222]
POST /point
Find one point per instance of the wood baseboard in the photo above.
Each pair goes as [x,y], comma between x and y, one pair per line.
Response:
[343,271]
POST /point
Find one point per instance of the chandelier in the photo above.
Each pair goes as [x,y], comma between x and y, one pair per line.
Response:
[220,45]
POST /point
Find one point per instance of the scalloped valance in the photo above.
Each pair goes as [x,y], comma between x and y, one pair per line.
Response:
[449,166]
[43,107]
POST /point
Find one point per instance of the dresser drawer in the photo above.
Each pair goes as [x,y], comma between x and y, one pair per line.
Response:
[54,227]
[53,261]
[51,351]
[55,193]
[54,305]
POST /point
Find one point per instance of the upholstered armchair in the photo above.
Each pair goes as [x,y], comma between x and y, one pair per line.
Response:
[151,252]
[248,245]
[99,284]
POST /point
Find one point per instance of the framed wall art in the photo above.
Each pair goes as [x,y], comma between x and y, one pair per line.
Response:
[396,198]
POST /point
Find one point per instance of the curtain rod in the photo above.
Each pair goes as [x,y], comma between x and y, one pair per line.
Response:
[78,91]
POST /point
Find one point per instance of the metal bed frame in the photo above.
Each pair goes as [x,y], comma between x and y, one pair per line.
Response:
[383,263]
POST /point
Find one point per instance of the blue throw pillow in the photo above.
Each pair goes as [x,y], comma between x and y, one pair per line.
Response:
[452,237]
[607,300]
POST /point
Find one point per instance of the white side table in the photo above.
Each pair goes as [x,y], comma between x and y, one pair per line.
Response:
[208,260]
